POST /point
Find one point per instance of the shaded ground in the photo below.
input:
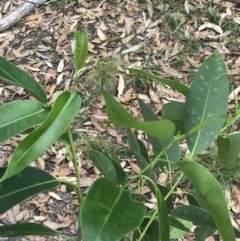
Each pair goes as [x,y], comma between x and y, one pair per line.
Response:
[170,39]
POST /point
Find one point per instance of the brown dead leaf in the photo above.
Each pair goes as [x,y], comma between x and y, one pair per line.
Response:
[55,226]
[101,34]
[128,25]
[153,96]
[121,85]
[234,94]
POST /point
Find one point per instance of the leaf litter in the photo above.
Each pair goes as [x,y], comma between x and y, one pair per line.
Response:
[153,36]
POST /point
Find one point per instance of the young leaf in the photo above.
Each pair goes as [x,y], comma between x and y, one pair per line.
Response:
[195,199]
[208,187]
[181,88]
[18,116]
[208,90]
[120,174]
[229,148]
[26,229]
[61,115]
[81,50]
[120,117]
[10,73]
[103,164]
[108,213]
[23,185]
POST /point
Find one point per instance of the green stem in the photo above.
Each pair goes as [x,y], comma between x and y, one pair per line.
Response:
[79,193]
[74,80]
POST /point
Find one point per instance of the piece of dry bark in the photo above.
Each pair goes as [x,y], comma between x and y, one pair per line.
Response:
[21,11]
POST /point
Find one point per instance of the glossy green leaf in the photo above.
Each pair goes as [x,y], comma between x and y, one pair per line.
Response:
[142,162]
[164,227]
[81,50]
[64,110]
[103,164]
[169,201]
[117,114]
[143,150]
[18,116]
[172,153]
[9,72]
[209,90]
[25,184]
[208,187]
[229,148]
[175,111]
[201,233]
[181,88]
[108,213]
[26,229]
[65,139]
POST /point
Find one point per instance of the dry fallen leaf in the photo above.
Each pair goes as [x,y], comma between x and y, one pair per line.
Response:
[121,85]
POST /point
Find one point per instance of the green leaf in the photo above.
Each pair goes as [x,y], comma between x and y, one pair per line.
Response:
[81,50]
[142,162]
[172,153]
[103,164]
[175,111]
[108,213]
[209,90]
[143,150]
[198,216]
[176,233]
[61,115]
[229,148]
[18,116]
[65,139]
[26,229]
[202,233]
[176,224]
[165,191]
[9,72]
[208,187]
[120,174]
[195,199]
[181,88]
[161,129]
[162,216]
[23,185]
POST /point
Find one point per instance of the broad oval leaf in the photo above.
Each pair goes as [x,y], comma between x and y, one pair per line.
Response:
[10,73]
[108,213]
[103,164]
[181,88]
[211,192]
[26,229]
[206,99]
[18,116]
[229,148]
[61,115]
[161,129]
[23,185]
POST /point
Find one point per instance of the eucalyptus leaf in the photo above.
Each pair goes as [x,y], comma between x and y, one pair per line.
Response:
[209,89]
[10,73]
[161,129]
[61,115]
[26,229]
[18,116]
[208,187]
[103,164]
[108,212]
[181,88]
[25,184]
[229,148]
